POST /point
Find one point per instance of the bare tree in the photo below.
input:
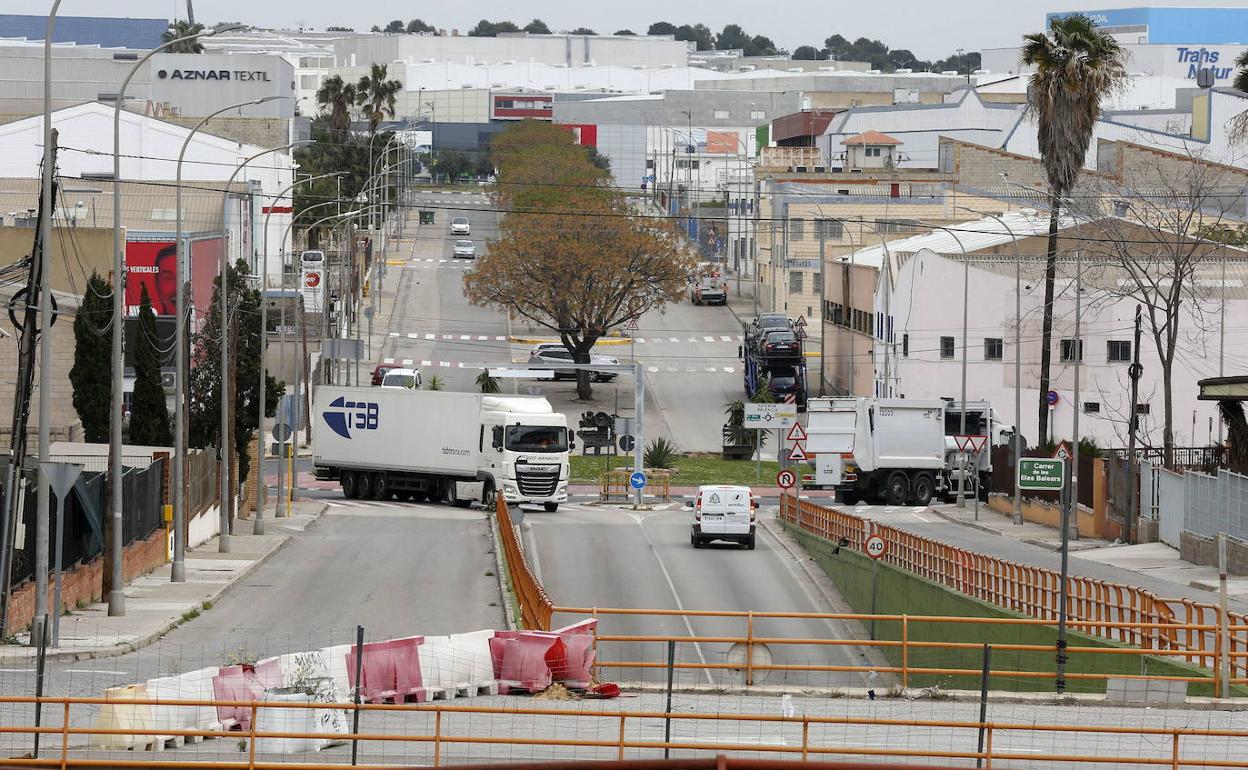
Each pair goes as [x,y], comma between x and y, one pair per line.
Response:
[1158,234]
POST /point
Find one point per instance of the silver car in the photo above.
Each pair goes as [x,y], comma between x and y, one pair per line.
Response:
[552,353]
[465,249]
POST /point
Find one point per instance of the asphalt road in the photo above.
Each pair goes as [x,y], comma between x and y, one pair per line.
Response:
[397,569]
[591,556]
[689,354]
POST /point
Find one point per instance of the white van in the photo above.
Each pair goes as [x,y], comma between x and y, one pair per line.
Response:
[722,512]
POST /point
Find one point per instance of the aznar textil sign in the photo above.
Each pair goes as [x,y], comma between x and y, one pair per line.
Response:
[1173,26]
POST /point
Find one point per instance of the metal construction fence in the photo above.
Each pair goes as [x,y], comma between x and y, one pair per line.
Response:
[535,605]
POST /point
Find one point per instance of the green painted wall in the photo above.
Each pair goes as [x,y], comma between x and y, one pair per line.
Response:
[902,593]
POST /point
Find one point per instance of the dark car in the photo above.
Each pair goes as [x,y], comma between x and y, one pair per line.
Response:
[379,373]
[767,322]
[779,343]
[786,381]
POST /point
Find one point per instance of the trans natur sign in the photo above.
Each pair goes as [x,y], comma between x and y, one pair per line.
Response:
[1041,473]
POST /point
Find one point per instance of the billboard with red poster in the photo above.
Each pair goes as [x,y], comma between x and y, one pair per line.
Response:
[584,134]
[154,264]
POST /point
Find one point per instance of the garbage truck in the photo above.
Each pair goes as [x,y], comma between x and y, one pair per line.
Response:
[898,451]
[440,446]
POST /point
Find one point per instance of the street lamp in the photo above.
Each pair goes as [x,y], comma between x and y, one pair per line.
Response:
[1018,356]
[116,594]
[223,540]
[258,525]
[178,568]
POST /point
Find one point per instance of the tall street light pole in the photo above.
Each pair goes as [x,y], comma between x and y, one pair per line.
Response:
[258,524]
[116,594]
[177,572]
[966,299]
[223,539]
[1017,517]
[38,629]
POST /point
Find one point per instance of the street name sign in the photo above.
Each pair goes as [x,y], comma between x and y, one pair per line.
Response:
[1041,474]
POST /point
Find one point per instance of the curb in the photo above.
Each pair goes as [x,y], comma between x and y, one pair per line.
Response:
[504,576]
[972,524]
[606,341]
[138,644]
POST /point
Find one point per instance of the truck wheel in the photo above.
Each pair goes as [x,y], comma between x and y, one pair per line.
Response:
[364,485]
[849,498]
[381,486]
[488,496]
[550,507]
[897,489]
[350,488]
[923,490]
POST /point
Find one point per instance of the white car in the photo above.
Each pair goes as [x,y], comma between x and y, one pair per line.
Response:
[554,352]
[408,379]
[465,249]
[460,226]
[722,512]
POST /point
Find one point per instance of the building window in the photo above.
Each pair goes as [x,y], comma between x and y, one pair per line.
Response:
[309,82]
[898,225]
[873,152]
[905,345]
[795,281]
[686,163]
[994,348]
[946,347]
[758,115]
[829,228]
[1119,351]
[1070,352]
[817,282]
[1092,407]
[722,114]
[649,164]
[797,229]
[1142,409]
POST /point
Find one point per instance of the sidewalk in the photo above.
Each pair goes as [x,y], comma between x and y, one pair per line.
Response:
[155,606]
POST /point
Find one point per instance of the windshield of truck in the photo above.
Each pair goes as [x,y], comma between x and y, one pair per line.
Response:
[537,438]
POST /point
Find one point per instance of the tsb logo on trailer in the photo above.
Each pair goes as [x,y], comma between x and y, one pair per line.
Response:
[345,416]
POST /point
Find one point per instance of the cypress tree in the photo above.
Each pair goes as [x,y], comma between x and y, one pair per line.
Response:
[91,373]
[149,413]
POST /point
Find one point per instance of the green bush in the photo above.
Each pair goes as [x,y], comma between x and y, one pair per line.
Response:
[660,453]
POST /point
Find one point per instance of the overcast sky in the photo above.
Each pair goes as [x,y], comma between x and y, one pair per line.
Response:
[930,29]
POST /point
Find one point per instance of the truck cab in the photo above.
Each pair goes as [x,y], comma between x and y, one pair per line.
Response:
[526,451]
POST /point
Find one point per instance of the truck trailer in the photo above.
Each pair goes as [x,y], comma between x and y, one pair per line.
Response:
[440,446]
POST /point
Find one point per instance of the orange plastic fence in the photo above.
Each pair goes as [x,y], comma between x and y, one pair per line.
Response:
[535,605]
[1120,613]
[1175,747]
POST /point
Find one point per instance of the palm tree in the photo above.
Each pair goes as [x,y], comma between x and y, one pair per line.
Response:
[1240,83]
[338,98]
[1077,66]
[376,95]
[182,29]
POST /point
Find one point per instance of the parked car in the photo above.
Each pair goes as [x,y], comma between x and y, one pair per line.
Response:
[465,249]
[552,353]
[402,378]
[722,512]
[460,226]
[379,373]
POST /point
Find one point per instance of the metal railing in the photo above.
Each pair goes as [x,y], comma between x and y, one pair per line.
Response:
[803,736]
[535,605]
[1118,613]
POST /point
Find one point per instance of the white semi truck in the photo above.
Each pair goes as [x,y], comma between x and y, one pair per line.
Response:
[898,451]
[440,446]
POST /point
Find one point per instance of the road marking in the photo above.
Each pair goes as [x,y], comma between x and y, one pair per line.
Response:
[652,369]
[673,339]
[406,362]
[708,339]
[384,361]
[672,586]
[729,369]
[410,336]
[109,671]
[394,334]
[722,337]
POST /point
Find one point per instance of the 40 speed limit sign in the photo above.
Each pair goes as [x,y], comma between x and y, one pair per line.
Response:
[876,546]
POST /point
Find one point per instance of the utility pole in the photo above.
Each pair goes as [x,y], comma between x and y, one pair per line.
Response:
[1133,424]
[14,483]
[822,225]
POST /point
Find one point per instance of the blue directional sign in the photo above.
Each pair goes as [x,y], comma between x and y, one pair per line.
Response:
[637,480]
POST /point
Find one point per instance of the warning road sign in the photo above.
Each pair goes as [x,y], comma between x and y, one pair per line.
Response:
[797,454]
[797,432]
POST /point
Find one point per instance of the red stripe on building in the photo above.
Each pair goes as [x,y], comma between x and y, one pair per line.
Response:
[277,210]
